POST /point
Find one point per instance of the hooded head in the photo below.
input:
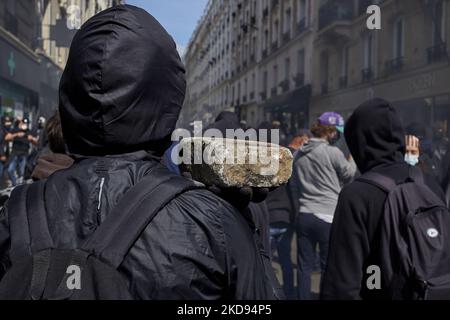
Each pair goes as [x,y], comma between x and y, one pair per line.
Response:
[375,135]
[226,120]
[123,86]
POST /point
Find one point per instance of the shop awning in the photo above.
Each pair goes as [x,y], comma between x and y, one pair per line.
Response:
[294,101]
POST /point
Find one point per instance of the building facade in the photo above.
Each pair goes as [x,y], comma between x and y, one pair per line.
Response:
[251,57]
[291,60]
[405,62]
[20,67]
[61,19]
[30,62]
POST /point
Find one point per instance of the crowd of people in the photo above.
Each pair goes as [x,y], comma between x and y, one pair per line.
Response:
[106,199]
[19,146]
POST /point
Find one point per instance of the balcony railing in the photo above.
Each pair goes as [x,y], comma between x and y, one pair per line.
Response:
[367,74]
[437,53]
[335,10]
[263,95]
[286,37]
[284,85]
[264,53]
[273,92]
[394,65]
[274,45]
[275,3]
[301,26]
[364,4]
[299,80]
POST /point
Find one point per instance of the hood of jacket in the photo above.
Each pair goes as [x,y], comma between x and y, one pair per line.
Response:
[49,163]
[309,146]
[226,120]
[375,135]
[123,86]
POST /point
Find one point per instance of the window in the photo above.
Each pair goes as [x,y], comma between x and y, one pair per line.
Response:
[266,40]
[438,24]
[239,91]
[399,37]
[369,60]
[324,71]
[245,88]
[11,22]
[301,62]
[275,31]
[253,84]
[265,82]
[287,20]
[287,68]
[368,51]
[275,80]
[302,10]
[344,62]
[343,80]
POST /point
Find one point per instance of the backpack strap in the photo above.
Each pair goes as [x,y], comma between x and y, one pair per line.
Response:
[138,207]
[18,224]
[383,182]
[28,221]
[37,218]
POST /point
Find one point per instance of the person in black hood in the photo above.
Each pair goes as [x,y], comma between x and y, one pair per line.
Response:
[376,139]
[120,97]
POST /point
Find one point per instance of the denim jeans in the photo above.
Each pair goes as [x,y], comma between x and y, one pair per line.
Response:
[280,240]
[311,231]
[19,161]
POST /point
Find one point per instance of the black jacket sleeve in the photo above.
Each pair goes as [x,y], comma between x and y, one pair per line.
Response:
[355,223]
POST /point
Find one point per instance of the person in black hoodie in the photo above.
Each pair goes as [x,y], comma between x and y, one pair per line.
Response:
[120,98]
[376,139]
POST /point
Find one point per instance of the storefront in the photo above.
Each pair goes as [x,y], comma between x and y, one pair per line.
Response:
[291,109]
[19,79]
[422,96]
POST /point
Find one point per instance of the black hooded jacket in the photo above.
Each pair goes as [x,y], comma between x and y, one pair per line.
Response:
[121,95]
[376,139]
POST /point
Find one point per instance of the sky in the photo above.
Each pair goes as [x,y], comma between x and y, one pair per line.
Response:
[179,17]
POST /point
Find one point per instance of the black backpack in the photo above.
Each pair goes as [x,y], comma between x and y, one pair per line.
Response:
[415,239]
[40,271]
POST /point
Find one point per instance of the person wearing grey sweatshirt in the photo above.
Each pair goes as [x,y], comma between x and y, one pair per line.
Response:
[319,173]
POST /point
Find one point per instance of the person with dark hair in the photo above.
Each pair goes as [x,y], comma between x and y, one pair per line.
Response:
[320,171]
[282,222]
[424,152]
[54,159]
[162,236]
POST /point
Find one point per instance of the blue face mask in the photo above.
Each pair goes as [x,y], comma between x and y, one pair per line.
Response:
[411,159]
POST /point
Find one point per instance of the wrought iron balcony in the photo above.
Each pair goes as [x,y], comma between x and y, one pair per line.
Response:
[437,53]
[394,65]
[299,80]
